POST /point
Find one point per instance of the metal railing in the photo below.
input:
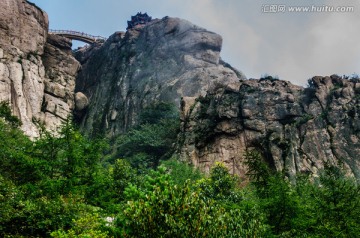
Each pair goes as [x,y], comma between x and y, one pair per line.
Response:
[78,34]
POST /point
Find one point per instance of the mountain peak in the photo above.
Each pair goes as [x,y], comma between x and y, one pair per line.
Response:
[164,60]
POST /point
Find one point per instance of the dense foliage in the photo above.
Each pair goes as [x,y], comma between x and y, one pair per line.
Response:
[153,139]
[67,186]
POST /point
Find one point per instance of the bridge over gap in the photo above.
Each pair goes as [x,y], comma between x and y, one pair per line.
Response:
[80,36]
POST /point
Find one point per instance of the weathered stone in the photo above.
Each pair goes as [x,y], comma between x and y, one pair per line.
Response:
[246,113]
[60,42]
[81,101]
[57,107]
[187,104]
[32,69]
[23,26]
[347,92]
[297,130]
[114,114]
[164,60]
[55,89]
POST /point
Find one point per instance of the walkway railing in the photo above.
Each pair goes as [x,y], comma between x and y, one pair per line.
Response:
[77,34]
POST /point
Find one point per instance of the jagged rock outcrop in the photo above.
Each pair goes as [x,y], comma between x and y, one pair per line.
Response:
[164,60]
[37,71]
[296,129]
[60,75]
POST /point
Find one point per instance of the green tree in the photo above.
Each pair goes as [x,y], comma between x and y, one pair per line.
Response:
[123,175]
[5,113]
[162,209]
[37,217]
[281,205]
[180,172]
[278,198]
[37,193]
[153,139]
[258,171]
[157,112]
[68,160]
[87,226]
[149,143]
[10,196]
[337,202]
[15,151]
[220,185]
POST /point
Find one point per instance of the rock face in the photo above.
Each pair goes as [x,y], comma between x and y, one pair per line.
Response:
[162,61]
[23,27]
[60,75]
[37,73]
[295,129]
[223,115]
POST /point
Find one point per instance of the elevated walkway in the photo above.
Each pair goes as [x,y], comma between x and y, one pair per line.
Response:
[80,36]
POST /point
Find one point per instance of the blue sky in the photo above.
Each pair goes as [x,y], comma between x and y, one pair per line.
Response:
[293,46]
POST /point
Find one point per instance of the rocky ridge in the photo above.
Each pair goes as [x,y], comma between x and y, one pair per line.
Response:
[164,60]
[37,71]
[296,129]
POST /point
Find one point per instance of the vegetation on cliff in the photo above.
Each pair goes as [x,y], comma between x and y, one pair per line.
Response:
[72,186]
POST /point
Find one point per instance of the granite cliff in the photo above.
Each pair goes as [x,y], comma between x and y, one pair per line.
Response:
[37,70]
[296,129]
[223,114]
[163,60]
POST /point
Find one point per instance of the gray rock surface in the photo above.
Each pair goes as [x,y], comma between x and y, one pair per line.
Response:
[296,129]
[23,27]
[165,60]
[81,101]
[37,71]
